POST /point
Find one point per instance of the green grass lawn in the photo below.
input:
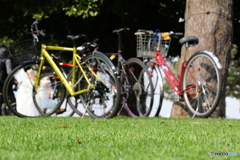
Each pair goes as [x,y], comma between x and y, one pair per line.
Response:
[125,138]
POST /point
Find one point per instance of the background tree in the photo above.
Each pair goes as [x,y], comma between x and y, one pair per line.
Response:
[97,18]
[210,21]
[233,87]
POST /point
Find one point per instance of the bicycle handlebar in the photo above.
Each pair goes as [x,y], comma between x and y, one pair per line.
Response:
[88,47]
[35,31]
[120,30]
[145,31]
[163,34]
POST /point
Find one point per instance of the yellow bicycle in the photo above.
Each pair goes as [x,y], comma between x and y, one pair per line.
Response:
[38,87]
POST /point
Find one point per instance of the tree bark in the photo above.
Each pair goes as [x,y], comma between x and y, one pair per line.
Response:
[211,22]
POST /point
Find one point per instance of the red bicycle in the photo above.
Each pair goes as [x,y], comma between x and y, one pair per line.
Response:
[199,82]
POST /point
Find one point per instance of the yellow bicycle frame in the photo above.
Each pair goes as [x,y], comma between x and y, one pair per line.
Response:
[75,63]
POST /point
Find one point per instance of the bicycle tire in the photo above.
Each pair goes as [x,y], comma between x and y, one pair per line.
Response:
[157,81]
[18,82]
[203,83]
[102,102]
[137,88]
[19,75]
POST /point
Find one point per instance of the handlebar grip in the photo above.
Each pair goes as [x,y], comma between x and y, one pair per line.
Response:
[178,34]
[42,33]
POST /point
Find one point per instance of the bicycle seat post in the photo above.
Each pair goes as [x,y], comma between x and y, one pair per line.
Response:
[184,53]
[119,42]
[118,32]
[74,44]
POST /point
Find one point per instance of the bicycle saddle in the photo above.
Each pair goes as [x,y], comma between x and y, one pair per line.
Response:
[74,37]
[191,40]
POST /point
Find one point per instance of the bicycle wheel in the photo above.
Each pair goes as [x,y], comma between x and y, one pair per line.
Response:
[157,81]
[137,88]
[103,101]
[202,82]
[22,100]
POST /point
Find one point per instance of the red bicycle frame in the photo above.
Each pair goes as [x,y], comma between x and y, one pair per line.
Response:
[175,82]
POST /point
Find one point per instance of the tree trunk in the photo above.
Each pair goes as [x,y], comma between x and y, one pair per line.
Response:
[211,22]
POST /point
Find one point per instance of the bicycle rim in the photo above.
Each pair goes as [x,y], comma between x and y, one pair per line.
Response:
[137,88]
[202,81]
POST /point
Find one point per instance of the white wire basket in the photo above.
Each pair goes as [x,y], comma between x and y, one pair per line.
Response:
[148,42]
[24,51]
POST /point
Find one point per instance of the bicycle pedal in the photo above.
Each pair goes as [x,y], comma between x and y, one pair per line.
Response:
[60,111]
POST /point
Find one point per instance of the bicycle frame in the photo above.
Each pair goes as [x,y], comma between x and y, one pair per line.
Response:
[75,63]
[174,81]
